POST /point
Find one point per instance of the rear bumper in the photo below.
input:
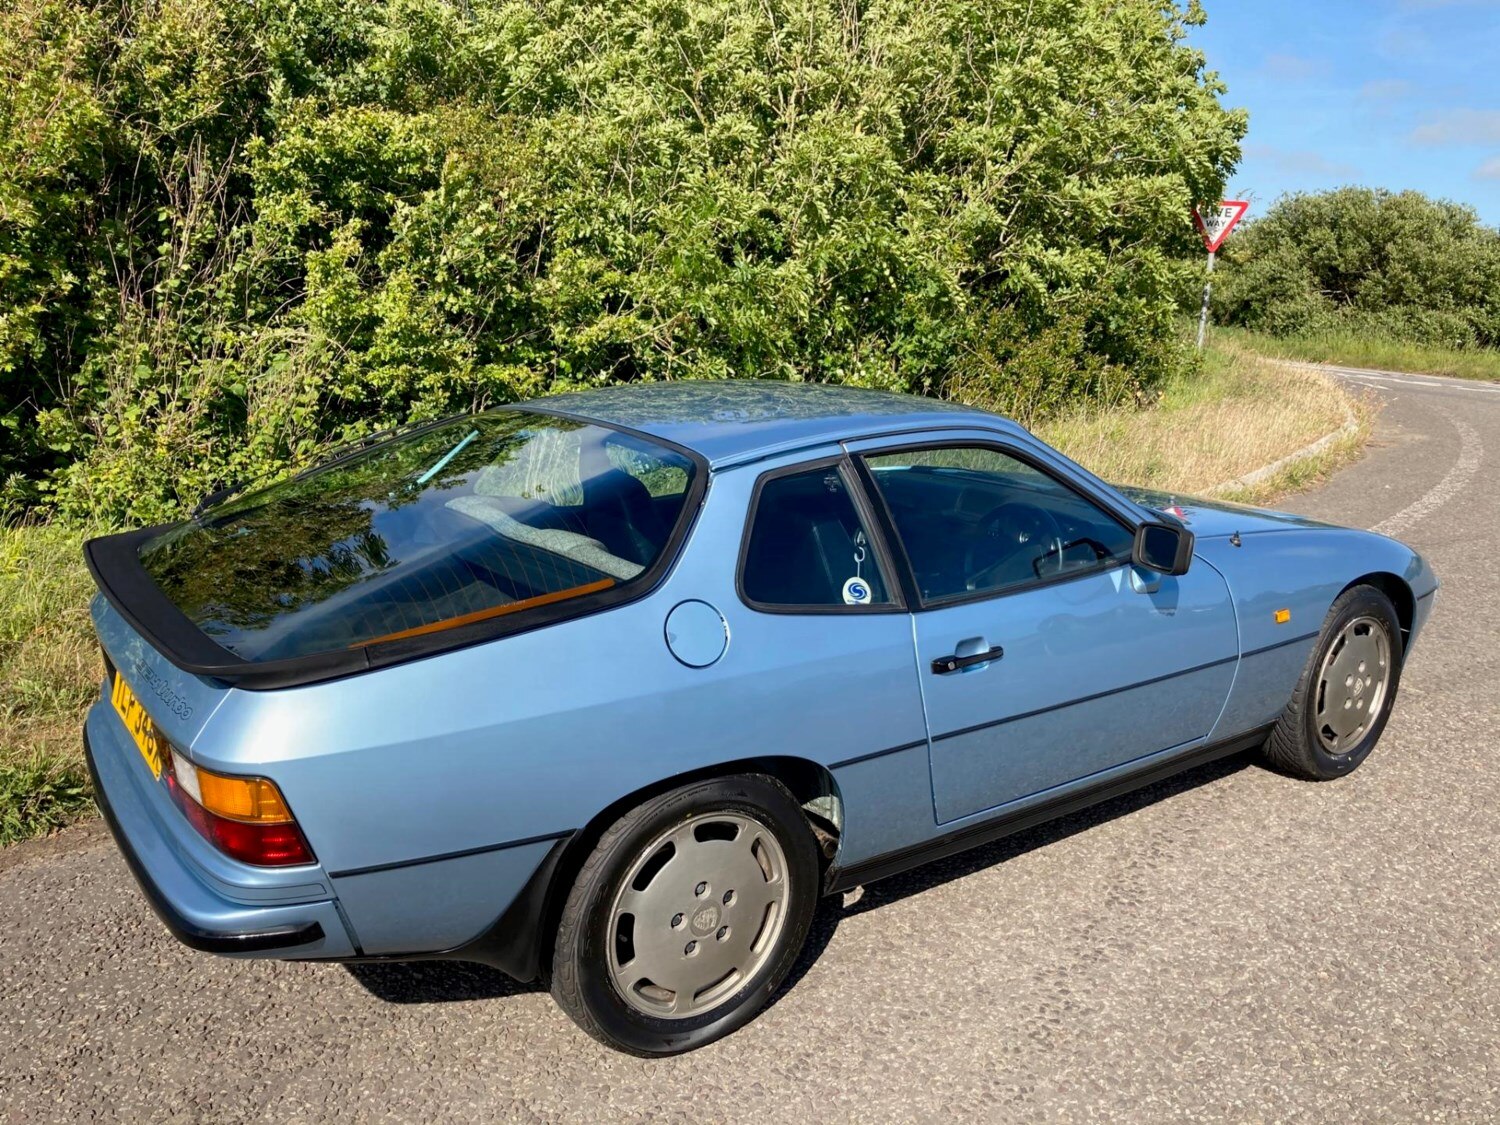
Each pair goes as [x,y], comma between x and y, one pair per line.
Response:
[198,914]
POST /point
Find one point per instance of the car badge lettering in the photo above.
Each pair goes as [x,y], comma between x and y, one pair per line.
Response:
[163,691]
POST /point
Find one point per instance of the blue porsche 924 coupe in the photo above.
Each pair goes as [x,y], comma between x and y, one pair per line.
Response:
[609,688]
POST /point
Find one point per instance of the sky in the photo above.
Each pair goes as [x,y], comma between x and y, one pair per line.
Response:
[1383,93]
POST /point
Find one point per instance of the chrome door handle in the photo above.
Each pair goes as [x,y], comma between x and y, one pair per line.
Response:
[945,664]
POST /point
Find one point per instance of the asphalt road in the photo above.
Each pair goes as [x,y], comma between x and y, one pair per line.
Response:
[1232,945]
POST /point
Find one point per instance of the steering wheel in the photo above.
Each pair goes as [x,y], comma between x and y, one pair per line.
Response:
[1004,532]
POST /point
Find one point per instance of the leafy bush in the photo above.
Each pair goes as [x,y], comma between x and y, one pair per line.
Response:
[230,234]
[1394,265]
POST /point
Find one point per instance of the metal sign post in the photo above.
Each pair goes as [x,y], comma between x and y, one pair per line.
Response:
[1215,227]
[1208,288]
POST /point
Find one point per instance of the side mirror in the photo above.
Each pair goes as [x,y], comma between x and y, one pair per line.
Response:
[1163,547]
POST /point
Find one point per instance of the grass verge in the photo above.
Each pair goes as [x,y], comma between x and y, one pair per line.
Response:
[1352,349]
[49,671]
[1240,413]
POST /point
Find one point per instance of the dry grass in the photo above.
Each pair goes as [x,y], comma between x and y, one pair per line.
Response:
[1364,349]
[1240,413]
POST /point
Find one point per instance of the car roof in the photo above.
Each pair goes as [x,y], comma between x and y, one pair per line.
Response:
[731,421]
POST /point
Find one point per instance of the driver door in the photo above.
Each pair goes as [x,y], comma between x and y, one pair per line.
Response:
[1045,657]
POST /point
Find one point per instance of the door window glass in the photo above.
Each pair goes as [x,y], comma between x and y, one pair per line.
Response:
[974,520]
[808,546]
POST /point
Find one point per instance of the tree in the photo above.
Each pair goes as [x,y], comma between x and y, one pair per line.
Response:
[256,228]
[1397,262]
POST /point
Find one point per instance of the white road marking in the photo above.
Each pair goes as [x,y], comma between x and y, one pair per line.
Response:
[1354,375]
[1427,382]
[1470,455]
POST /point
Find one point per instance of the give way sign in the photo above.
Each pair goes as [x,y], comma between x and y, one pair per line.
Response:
[1215,223]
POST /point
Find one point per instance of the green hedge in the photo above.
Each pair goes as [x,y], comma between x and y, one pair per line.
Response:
[1389,265]
[233,233]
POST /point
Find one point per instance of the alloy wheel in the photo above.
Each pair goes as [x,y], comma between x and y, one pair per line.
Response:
[697,915]
[1352,684]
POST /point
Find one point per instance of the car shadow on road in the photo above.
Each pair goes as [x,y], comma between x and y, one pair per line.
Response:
[435,982]
[942,871]
[834,909]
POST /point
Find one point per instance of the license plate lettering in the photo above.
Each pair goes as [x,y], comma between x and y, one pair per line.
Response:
[148,740]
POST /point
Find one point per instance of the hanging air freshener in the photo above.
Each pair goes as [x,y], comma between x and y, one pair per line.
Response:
[856,589]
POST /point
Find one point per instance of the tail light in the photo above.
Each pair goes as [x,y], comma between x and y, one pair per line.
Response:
[246,818]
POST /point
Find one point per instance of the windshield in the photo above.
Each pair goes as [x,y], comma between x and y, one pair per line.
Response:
[477,518]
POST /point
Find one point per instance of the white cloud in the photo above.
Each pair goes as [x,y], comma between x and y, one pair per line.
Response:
[1460,127]
[1300,162]
[1489,170]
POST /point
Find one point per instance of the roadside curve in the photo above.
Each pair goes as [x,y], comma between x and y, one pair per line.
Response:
[1312,449]
[1428,421]
[1230,945]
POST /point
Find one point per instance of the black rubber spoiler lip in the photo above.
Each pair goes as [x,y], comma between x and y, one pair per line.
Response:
[114,561]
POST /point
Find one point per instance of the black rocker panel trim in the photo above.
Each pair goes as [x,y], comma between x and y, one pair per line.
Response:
[972,836]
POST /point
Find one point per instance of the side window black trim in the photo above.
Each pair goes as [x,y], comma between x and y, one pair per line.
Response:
[874,528]
[891,532]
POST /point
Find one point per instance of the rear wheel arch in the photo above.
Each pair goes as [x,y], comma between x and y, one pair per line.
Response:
[810,783]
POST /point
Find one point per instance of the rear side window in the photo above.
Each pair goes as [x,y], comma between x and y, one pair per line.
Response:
[497,515]
[808,547]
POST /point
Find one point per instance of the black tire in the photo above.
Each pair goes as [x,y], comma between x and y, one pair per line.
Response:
[1295,746]
[581,979]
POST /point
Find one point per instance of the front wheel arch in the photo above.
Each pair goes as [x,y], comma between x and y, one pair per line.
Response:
[1395,588]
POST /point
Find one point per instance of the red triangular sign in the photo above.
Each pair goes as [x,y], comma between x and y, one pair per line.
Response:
[1217,222]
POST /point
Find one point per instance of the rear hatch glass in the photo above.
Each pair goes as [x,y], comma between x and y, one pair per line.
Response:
[502,516]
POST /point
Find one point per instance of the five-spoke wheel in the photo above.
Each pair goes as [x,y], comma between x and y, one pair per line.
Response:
[1344,697]
[687,916]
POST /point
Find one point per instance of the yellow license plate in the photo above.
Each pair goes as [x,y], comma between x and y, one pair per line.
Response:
[148,739]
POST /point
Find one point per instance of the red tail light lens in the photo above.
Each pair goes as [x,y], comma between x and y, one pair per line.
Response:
[265,843]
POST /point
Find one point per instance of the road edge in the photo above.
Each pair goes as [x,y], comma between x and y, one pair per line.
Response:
[88,831]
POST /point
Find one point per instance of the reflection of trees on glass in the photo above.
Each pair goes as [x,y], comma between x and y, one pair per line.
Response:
[740,400]
[970,458]
[245,571]
[660,476]
[275,552]
[467,516]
